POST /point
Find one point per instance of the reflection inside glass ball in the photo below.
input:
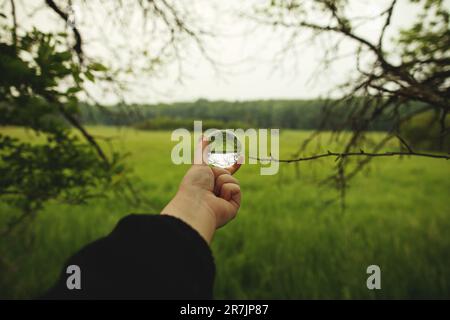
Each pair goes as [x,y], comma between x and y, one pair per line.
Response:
[224,148]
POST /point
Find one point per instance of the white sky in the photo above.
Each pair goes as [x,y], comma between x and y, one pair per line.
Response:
[248,69]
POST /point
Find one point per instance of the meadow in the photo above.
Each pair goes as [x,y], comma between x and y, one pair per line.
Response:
[290,240]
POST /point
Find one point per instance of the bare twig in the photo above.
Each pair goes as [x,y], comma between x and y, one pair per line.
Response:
[14,30]
[389,12]
[73,121]
[405,144]
[78,40]
[362,153]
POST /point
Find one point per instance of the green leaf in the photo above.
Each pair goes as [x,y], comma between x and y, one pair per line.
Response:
[90,76]
[73,90]
[97,67]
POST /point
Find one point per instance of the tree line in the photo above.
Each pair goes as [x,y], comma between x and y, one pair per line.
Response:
[288,114]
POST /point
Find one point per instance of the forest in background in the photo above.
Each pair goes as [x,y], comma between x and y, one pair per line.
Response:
[421,131]
[289,114]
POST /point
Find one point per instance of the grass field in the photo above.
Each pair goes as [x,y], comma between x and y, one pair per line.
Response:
[290,240]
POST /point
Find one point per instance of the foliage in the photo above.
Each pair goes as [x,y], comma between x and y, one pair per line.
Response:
[45,75]
[410,67]
[423,132]
[38,90]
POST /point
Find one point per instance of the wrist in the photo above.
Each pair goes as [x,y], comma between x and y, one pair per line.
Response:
[187,206]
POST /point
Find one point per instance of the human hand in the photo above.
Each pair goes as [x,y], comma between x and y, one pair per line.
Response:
[208,197]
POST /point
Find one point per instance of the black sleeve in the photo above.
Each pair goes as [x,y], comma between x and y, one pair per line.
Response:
[144,257]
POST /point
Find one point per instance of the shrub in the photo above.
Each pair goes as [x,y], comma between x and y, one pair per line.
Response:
[423,132]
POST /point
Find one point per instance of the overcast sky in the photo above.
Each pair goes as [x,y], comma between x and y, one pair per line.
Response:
[246,55]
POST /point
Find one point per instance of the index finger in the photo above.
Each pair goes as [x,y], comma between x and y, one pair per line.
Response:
[201,151]
[235,167]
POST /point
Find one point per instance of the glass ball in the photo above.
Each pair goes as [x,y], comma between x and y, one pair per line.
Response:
[224,148]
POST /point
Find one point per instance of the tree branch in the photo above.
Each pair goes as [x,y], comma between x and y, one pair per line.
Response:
[405,144]
[78,41]
[74,122]
[13,13]
[362,153]
[389,12]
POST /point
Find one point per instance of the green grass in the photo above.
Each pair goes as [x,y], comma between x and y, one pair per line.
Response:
[290,240]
